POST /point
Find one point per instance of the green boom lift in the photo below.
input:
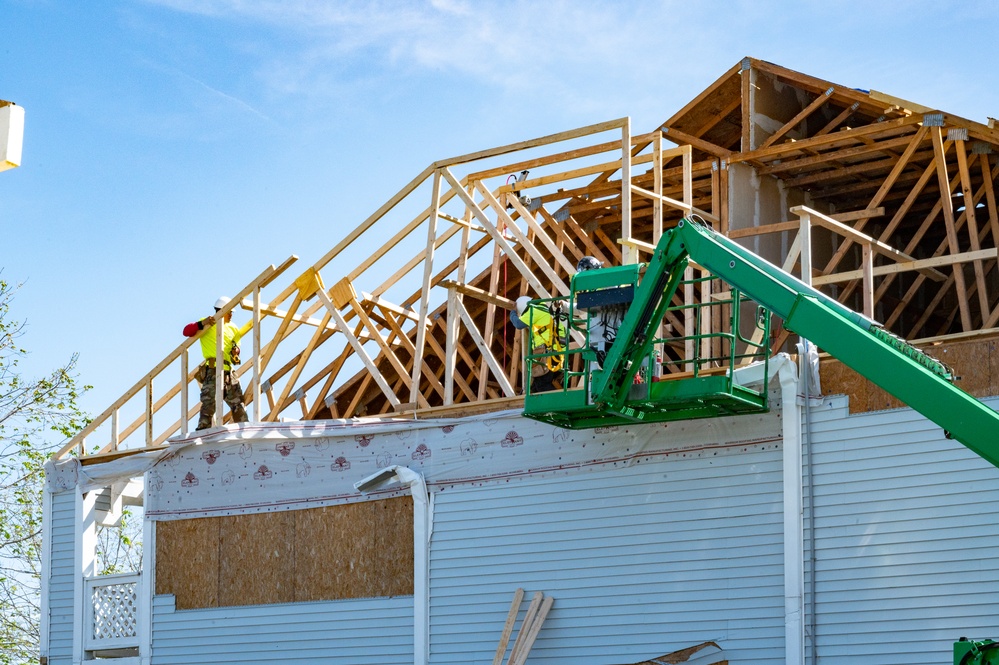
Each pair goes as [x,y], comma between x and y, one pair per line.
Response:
[627,388]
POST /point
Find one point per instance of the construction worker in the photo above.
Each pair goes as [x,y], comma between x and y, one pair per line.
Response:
[232,393]
[547,335]
[602,322]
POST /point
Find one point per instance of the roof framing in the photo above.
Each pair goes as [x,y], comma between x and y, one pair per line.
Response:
[407,314]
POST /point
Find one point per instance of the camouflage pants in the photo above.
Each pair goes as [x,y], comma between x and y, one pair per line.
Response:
[232,393]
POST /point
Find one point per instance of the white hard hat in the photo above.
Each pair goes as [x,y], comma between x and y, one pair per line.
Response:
[522,304]
[222,302]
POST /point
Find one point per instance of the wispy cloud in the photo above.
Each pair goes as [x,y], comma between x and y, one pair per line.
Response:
[519,47]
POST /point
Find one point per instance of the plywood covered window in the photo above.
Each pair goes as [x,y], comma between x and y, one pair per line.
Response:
[357,550]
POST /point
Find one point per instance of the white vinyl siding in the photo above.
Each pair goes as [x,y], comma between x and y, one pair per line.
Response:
[375,631]
[907,546]
[641,561]
[63,576]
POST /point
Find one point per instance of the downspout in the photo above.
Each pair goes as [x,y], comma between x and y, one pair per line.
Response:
[422,529]
[794,535]
[421,569]
[808,366]
[794,548]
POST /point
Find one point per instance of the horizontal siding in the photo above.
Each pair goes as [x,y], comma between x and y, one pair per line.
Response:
[641,561]
[906,541]
[63,571]
[376,631]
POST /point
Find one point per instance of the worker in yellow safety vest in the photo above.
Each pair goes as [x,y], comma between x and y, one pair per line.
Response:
[232,393]
[547,336]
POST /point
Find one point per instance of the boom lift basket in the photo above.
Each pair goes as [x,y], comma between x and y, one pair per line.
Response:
[664,383]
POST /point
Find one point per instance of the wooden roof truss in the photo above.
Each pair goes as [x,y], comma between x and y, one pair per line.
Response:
[407,314]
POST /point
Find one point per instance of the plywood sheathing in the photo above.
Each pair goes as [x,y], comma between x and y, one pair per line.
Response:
[357,550]
[975,362]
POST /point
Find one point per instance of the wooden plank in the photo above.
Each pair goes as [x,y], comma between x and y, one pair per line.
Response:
[852,234]
[532,634]
[907,266]
[972,223]
[948,211]
[532,143]
[626,230]
[796,120]
[681,138]
[539,233]
[657,186]
[373,371]
[526,165]
[838,120]
[868,280]
[479,294]
[497,237]
[255,361]
[511,619]
[788,164]
[764,229]
[673,203]
[396,328]
[827,140]
[297,371]
[428,271]
[487,327]
[483,349]
[570,223]
[535,254]
[532,611]
[748,96]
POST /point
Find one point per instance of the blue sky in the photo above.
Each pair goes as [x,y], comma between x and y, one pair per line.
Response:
[157,130]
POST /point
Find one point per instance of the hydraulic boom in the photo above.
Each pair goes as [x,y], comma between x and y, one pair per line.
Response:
[608,394]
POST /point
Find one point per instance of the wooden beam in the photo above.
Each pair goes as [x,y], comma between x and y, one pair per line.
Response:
[428,271]
[373,371]
[524,242]
[948,211]
[907,266]
[796,120]
[497,236]
[972,223]
[476,336]
[681,138]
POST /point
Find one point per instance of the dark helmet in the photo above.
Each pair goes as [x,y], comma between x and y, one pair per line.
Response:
[588,263]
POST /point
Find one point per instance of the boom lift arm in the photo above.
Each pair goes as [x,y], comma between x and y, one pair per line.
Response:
[923,383]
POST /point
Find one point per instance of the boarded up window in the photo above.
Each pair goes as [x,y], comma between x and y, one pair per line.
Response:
[357,550]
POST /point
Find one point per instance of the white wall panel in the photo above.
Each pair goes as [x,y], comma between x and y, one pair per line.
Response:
[907,542]
[641,561]
[376,631]
[63,575]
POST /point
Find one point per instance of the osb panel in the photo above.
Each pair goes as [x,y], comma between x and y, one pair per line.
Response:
[360,550]
[257,560]
[355,550]
[187,561]
[975,362]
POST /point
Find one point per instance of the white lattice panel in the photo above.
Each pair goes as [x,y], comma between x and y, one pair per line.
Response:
[113,611]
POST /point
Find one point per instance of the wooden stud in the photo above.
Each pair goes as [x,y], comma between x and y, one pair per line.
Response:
[428,271]
[948,211]
[375,374]
[972,223]
[511,619]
